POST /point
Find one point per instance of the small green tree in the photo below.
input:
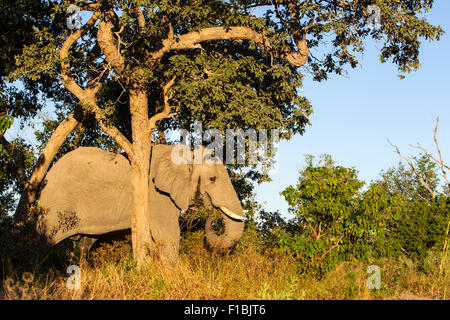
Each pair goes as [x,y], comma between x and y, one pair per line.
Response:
[426,218]
[418,214]
[324,200]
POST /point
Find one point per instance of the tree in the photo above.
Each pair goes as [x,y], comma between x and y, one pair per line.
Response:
[410,219]
[426,218]
[338,221]
[326,201]
[221,64]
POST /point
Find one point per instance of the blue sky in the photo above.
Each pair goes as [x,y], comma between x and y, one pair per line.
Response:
[356,114]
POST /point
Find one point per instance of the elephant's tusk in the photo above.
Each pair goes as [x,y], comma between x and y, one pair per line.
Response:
[231,214]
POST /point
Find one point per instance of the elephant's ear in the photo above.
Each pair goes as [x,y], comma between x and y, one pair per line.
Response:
[172,177]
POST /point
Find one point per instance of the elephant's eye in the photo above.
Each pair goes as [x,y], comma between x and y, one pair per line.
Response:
[212,179]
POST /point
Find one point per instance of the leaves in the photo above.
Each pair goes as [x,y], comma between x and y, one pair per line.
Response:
[338,221]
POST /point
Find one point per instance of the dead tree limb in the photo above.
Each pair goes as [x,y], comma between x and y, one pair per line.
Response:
[423,180]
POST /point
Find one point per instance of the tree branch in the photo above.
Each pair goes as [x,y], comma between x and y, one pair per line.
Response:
[111,130]
[105,39]
[87,96]
[413,168]
[439,162]
[298,31]
[140,18]
[67,80]
[193,39]
[90,6]
[45,159]
[166,113]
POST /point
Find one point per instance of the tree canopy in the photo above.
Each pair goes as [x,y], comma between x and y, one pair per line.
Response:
[250,81]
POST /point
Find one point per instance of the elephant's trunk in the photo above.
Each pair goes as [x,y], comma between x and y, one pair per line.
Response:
[232,234]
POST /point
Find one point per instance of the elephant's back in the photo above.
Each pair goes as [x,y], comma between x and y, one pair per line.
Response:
[90,188]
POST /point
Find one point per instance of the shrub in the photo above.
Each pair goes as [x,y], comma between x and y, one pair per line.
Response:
[394,217]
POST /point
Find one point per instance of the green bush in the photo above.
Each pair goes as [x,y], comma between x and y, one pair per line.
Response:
[420,227]
[337,222]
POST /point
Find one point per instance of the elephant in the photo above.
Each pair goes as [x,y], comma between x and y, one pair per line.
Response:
[87,194]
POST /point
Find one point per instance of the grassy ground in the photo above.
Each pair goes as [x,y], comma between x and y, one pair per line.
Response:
[248,273]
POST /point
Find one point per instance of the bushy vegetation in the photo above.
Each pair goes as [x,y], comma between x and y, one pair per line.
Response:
[337,230]
[393,217]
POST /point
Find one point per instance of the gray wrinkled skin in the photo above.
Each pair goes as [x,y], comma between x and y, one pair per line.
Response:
[87,192]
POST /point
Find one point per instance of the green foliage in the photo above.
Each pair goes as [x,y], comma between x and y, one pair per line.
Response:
[272,226]
[324,201]
[16,160]
[325,195]
[6,121]
[392,218]
[19,21]
[315,256]
[15,166]
[420,220]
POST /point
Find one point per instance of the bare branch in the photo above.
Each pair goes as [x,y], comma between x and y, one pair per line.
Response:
[413,168]
[421,148]
[439,162]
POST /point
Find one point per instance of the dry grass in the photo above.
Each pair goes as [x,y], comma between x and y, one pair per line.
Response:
[247,273]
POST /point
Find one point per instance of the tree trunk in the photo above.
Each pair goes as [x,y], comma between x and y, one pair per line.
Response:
[45,159]
[140,167]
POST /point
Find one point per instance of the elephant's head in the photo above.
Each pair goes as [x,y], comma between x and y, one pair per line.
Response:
[187,176]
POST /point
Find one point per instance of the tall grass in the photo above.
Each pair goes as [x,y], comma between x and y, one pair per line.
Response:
[249,272]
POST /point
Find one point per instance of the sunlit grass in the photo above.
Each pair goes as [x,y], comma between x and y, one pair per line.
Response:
[250,272]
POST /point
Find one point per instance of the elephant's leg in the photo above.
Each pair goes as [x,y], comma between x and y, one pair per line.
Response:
[165,226]
[85,243]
